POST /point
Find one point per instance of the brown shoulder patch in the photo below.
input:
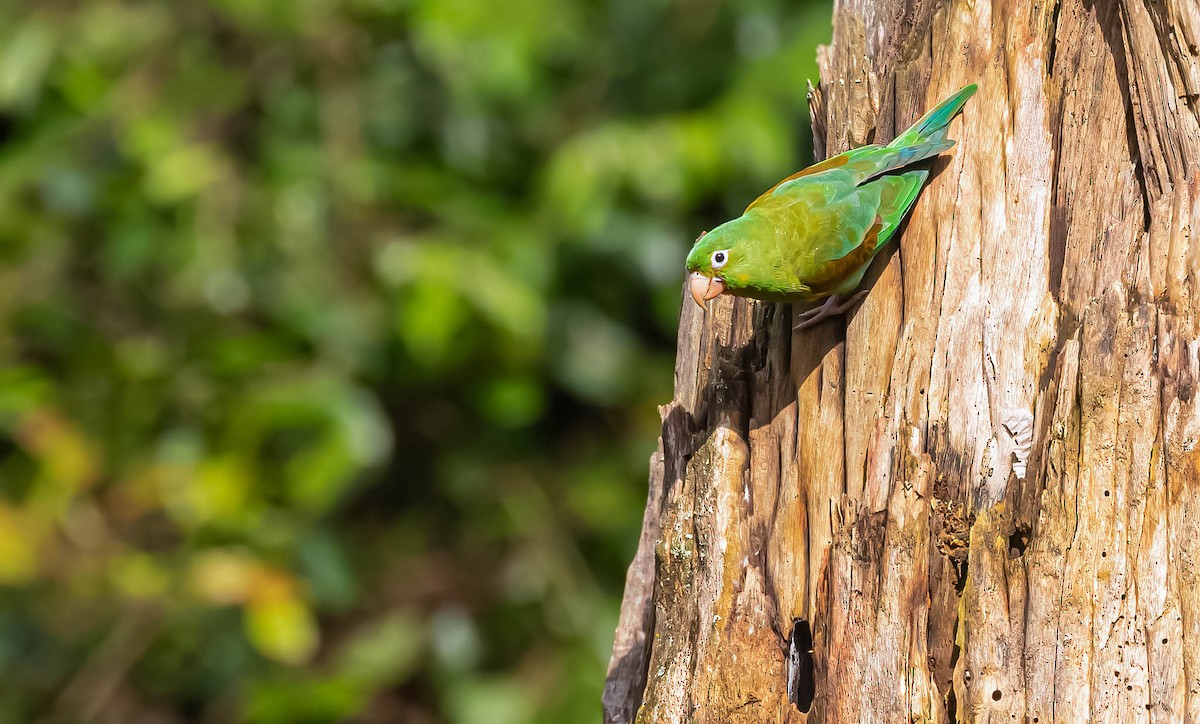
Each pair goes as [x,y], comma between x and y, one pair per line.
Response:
[836,271]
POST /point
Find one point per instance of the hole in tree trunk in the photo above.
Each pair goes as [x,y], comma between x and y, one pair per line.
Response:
[962,569]
[801,685]
[1018,541]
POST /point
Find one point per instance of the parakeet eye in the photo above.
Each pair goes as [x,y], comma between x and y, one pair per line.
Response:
[719,258]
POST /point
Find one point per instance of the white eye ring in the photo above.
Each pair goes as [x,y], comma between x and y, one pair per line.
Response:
[720,258]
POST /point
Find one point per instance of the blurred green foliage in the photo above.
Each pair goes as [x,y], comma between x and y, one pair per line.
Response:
[331,336]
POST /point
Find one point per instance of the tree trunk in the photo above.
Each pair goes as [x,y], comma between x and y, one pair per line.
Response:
[979,497]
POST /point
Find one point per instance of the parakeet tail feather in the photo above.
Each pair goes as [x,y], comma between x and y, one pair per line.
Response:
[932,126]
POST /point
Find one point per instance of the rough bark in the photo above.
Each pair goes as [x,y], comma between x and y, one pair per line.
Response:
[980,494]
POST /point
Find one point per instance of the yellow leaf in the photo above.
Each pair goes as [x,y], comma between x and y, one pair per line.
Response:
[223,577]
[282,628]
[18,548]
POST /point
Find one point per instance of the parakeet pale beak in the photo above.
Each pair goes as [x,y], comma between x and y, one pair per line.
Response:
[704,288]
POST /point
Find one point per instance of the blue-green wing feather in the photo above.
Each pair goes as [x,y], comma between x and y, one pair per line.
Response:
[924,139]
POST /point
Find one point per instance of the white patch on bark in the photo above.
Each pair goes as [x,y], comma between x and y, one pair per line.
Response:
[1019,426]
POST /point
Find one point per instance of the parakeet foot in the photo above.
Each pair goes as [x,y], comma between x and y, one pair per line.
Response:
[833,306]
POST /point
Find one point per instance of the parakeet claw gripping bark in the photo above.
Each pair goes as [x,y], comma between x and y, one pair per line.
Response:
[833,306]
[813,235]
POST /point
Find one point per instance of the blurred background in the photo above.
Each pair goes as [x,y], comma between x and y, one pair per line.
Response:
[332,334]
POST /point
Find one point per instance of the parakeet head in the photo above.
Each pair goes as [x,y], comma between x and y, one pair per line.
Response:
[716,264]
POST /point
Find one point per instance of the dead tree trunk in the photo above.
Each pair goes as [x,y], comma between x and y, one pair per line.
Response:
[979,499]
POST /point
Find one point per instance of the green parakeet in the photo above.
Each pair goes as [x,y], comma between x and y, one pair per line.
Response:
[814,234]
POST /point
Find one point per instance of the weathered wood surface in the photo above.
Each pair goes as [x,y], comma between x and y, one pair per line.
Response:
[859,479]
